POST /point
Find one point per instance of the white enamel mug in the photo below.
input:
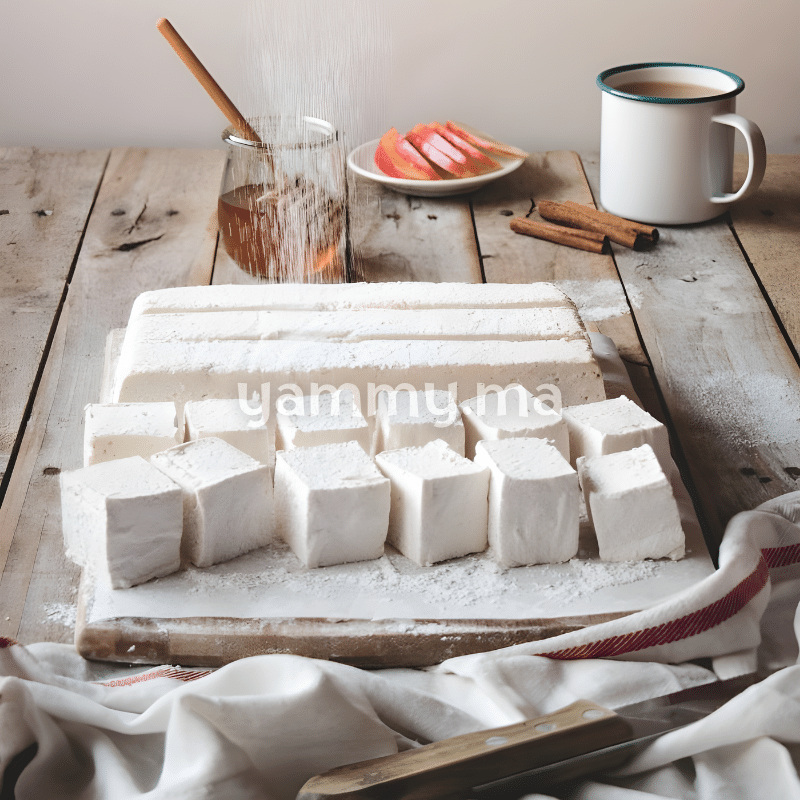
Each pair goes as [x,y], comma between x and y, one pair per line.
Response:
[669,160]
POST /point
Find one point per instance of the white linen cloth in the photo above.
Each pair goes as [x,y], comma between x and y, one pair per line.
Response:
[260,727]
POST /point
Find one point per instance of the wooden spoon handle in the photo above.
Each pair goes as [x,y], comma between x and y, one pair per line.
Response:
[214,90]
[453,766]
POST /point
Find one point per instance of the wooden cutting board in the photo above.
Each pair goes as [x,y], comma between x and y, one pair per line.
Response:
[382,613]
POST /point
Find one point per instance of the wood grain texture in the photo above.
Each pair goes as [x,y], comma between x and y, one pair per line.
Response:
[767,225]
[590,279]
[45,199]
[401,238]
[147,231]
[730,382]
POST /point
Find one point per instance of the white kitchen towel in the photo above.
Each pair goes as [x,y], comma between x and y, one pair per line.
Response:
[258,728]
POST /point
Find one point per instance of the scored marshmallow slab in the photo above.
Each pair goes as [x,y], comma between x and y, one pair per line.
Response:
[610,426]
[323,418]
[511,413]
[631,506]
[227,499]
[508,324]
[124,518]
[236,422]
[332,504]
[439,502]
[534,502]
[414,418]
[122,430]
[183,371]
[341,297]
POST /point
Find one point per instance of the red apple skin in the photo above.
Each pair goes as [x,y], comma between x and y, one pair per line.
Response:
[462,144]
[396,157]
[490,145]
[443,153]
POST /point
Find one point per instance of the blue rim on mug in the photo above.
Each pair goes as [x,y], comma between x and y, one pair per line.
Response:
[601,78]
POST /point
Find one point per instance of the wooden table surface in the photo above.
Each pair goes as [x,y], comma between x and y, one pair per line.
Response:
[707,322]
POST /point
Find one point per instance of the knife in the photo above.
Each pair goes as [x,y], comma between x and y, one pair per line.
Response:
[579,739]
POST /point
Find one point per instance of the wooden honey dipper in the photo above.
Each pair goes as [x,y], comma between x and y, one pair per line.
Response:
[223,102]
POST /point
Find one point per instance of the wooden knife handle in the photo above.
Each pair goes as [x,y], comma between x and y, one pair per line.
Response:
[452,766]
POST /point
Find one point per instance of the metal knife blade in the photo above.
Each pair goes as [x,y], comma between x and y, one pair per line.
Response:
[508,761]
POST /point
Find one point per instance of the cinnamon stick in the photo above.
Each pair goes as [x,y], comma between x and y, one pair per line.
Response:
[572,237]
[622,231]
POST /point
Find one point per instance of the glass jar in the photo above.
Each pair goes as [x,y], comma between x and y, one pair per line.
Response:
[283,201]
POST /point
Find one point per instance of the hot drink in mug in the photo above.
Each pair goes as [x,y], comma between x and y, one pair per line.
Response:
[666,142]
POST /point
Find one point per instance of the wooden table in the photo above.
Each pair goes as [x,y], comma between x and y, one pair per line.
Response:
[707,321]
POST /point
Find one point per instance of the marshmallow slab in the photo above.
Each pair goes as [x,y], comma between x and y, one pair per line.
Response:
[511,413]
[630,503]
[182,371]
[123,517]
[610,426]
[341,297]
[122,430]
[439,502]
[508,324]
[324,418]
[332,504]
[412,419]
[533,502]
[227,499]
[246,430]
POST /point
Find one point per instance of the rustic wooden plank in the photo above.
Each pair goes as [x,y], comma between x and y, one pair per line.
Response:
[590,279]
[148,230]
[729,379]
[396,237]
[767,225]
[45,198]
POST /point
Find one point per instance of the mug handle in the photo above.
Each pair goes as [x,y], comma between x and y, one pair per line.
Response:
[756,155]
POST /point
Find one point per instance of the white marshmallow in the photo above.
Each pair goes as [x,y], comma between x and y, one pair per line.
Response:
[412,419]
[611,426]
[631,505]
[339,297]
[227,499]
[534,502]
[508,324]
[332,504]
[124,517]
[325,418]
[122,430]
[513,413]
[439,502]
[183,371]
[250,431]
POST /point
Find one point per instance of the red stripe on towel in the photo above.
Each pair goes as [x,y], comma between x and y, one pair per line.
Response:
[6,642]
[681,628]
[184,675]
[781,556]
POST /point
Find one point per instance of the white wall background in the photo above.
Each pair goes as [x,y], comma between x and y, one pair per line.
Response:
[96,73]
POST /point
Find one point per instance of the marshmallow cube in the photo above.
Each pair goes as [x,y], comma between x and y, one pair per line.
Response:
[412,419]
[242,425]
[610,426]
[122,430]
[630,503]
[533,502]
[227,499]
[122,516]
[325,418]
[332,504]
[511,413]
[439,502]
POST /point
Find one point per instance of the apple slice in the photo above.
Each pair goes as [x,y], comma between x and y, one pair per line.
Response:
[490,145]
[441,153]
[396,157]
[462,144]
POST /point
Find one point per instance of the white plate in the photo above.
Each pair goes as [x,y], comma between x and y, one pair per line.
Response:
[362,162]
